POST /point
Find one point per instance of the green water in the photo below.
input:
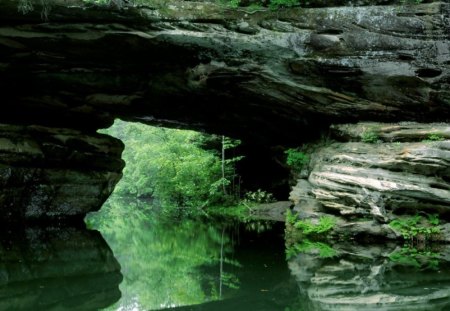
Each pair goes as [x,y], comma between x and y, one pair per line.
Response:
[169,263]
[139,260]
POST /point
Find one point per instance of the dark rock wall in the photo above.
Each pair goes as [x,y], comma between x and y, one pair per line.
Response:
[48,173]
[277,75]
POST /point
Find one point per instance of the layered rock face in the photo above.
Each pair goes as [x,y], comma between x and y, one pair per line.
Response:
[51,173]
[401,169]
[266,77]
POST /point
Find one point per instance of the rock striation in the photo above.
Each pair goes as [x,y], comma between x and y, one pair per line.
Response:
[269,78]
[401,171]
[264,75]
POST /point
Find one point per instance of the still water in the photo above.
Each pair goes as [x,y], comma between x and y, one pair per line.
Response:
[140,261]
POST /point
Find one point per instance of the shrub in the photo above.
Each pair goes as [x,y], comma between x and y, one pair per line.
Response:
[296,158]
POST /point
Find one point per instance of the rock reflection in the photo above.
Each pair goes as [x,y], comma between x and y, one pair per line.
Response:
[57,269]
[374,278]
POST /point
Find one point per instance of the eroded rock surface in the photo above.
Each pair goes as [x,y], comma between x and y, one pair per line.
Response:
[367,185]
[49,173]
[263,76]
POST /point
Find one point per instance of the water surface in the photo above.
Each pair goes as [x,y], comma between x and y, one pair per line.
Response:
[217,264]
[142,261]
[172,263]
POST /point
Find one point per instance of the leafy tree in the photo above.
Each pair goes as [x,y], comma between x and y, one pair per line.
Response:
[172,167]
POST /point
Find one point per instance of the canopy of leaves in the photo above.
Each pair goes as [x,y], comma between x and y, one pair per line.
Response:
[175,167]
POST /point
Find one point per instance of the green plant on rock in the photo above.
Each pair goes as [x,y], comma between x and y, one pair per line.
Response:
[433,137]
[417,228]
[291,218]
[411,256]
[306,246]
[296,158]
[370,136]
[307,227]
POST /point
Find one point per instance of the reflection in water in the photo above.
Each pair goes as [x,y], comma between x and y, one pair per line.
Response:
[170,264]
[57,269]
[215,266]
[374,278]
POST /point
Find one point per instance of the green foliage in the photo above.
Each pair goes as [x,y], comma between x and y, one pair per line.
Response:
[235,3]
[170,166]
[369,136]
[307,232]
[259,196]
[291,218]
[306,246]
[417,227]
[433,219]
[307,227]
[165,263]
[230,182]
[239,211]
[421,259]
[296,158]
[254,6]
[230,280]
[434,137]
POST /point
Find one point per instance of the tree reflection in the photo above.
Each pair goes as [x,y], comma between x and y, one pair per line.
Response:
[165,263]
